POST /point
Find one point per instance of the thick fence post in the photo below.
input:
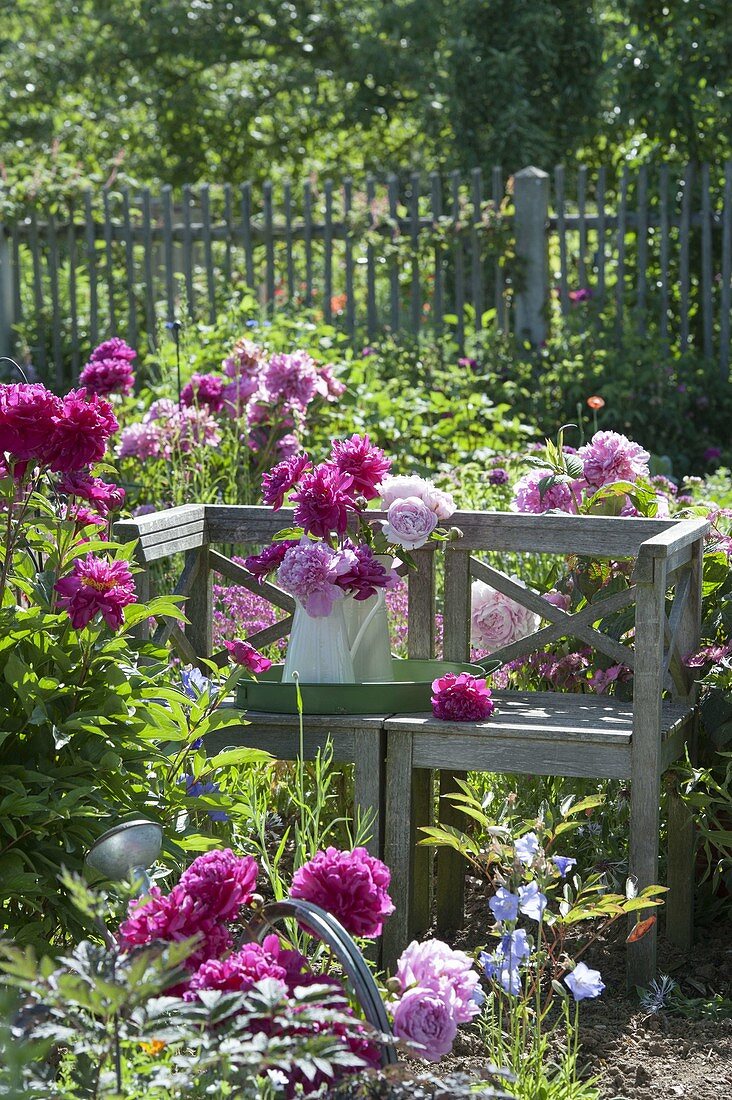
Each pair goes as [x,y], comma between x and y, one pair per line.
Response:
[6,294]
[531,201]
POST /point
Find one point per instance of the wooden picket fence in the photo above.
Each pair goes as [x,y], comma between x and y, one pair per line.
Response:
[653,250]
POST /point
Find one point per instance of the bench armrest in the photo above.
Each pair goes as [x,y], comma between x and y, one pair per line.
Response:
[673,546]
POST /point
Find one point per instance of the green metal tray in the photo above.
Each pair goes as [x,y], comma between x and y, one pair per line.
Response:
[410,690]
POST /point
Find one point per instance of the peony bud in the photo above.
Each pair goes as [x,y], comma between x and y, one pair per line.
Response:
[454,534]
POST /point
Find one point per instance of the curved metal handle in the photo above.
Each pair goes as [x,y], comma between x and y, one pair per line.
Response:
[325,926]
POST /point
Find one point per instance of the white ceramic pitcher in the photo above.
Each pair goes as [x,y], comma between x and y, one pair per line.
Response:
[372,660]
[319,649]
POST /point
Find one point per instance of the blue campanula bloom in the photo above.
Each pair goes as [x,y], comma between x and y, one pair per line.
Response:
[584,983]
[527,847]
[504,905]
[515,946]
[195,788]
[563,864]
[194,683]
[532,902]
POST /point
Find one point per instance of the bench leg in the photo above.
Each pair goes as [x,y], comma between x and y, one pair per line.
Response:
[450,864]
[399,844]
[368,787]
[420,908]
[681,851]
[643,869]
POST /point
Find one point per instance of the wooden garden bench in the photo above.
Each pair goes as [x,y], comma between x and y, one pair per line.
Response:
[547,733]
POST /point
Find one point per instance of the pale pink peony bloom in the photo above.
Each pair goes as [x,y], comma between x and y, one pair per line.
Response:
[497,620]
[433,965]
[427,1022]
[529,495]
[610,456]
[399,486]
[409,522]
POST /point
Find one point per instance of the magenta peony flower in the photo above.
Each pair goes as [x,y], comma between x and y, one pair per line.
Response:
[365,573]
[352,886]
[246,655]
[290,379]
[425,1020]
[435,966]
[105,376]
[610,457]
[558,599]
[220,882]
[310,572]
[323,501]
[204,389]
[27,412]
[367,465]
[462,698]
[498,620]
[239,971]
[270,559]
[104,496]
[115,348]
[79,432]
[409,523]
[84,517]
[96,586]
[555,495]
[235,395]
[708,654]
[172,918]
[283,477]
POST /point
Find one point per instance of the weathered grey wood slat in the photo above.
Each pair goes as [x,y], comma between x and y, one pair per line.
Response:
[38,288]
[235,572]
[109,264]
[91,267]
[287,203]
[707,296]
[664,249]
[476,243]
[415,296]
[150,318]
[228,227]
[181,643]
[531,757]
[684,250]
[165,519]
[459,262]
[272,633]
[582,223]
[199,605]
[73,301]
[205,200]
[371,315]
[601,227]
[186,526]
[167,204]
[421,606]
[307,206]
[500,305]
[399,843]
[129,270]
[53,266]
[348,257]
[245,205]
[188,250]
[562,233]
[328,254]
[682,677]
[437,291]
[269,257]
[393,190]
[641,237]
[620,270]
[725,298]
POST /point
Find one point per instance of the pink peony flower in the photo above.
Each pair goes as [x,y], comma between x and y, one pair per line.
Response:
[79,432]
[115,348]
[192,428]
[558,599]
[610,457]
[283,477]
[288,446]
[323,501]
[220,882]
[555,495]
[141,441]
[365,573]
[105,376]
[84,517]
[367,465]
[96,586]
[239,972]
[27,413]
[327,385]
[602,679]
[291,379]
[235,395]
[247,358]
[163,409]
[409,523]
[352,886]
[496,620]
[270,559]
[708,654]
[105,497]
[172,918]
[399,487]
[462,698]
[426,1021]
[310,572]
[204,389]
[246,655]
[435,966]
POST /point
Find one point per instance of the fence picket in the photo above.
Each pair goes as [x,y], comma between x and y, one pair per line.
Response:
[328,253]
[476,260]
[664,253]
[307,198]
[394,262]
[287,203]
[600,201]
[38,287]
[620,283]
[129,270]
[437,301]
[205,200]
[371,315]
[582,223]
[167,200]
[188,249]
[147,245]
[415,292]
[17,296]
[641,237]
[684,245]
[268,247]
[109,263]
[500,304]
[245,202]
[53,265]
[562,231]
[228,220]
[706,262]
[73,304]
[459,261]
[350,301]
[725,303]
[91,267]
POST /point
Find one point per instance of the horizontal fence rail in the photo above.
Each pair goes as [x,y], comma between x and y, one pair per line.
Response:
[652,250]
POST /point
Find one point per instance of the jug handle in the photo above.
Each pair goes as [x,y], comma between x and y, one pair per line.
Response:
[367,622]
